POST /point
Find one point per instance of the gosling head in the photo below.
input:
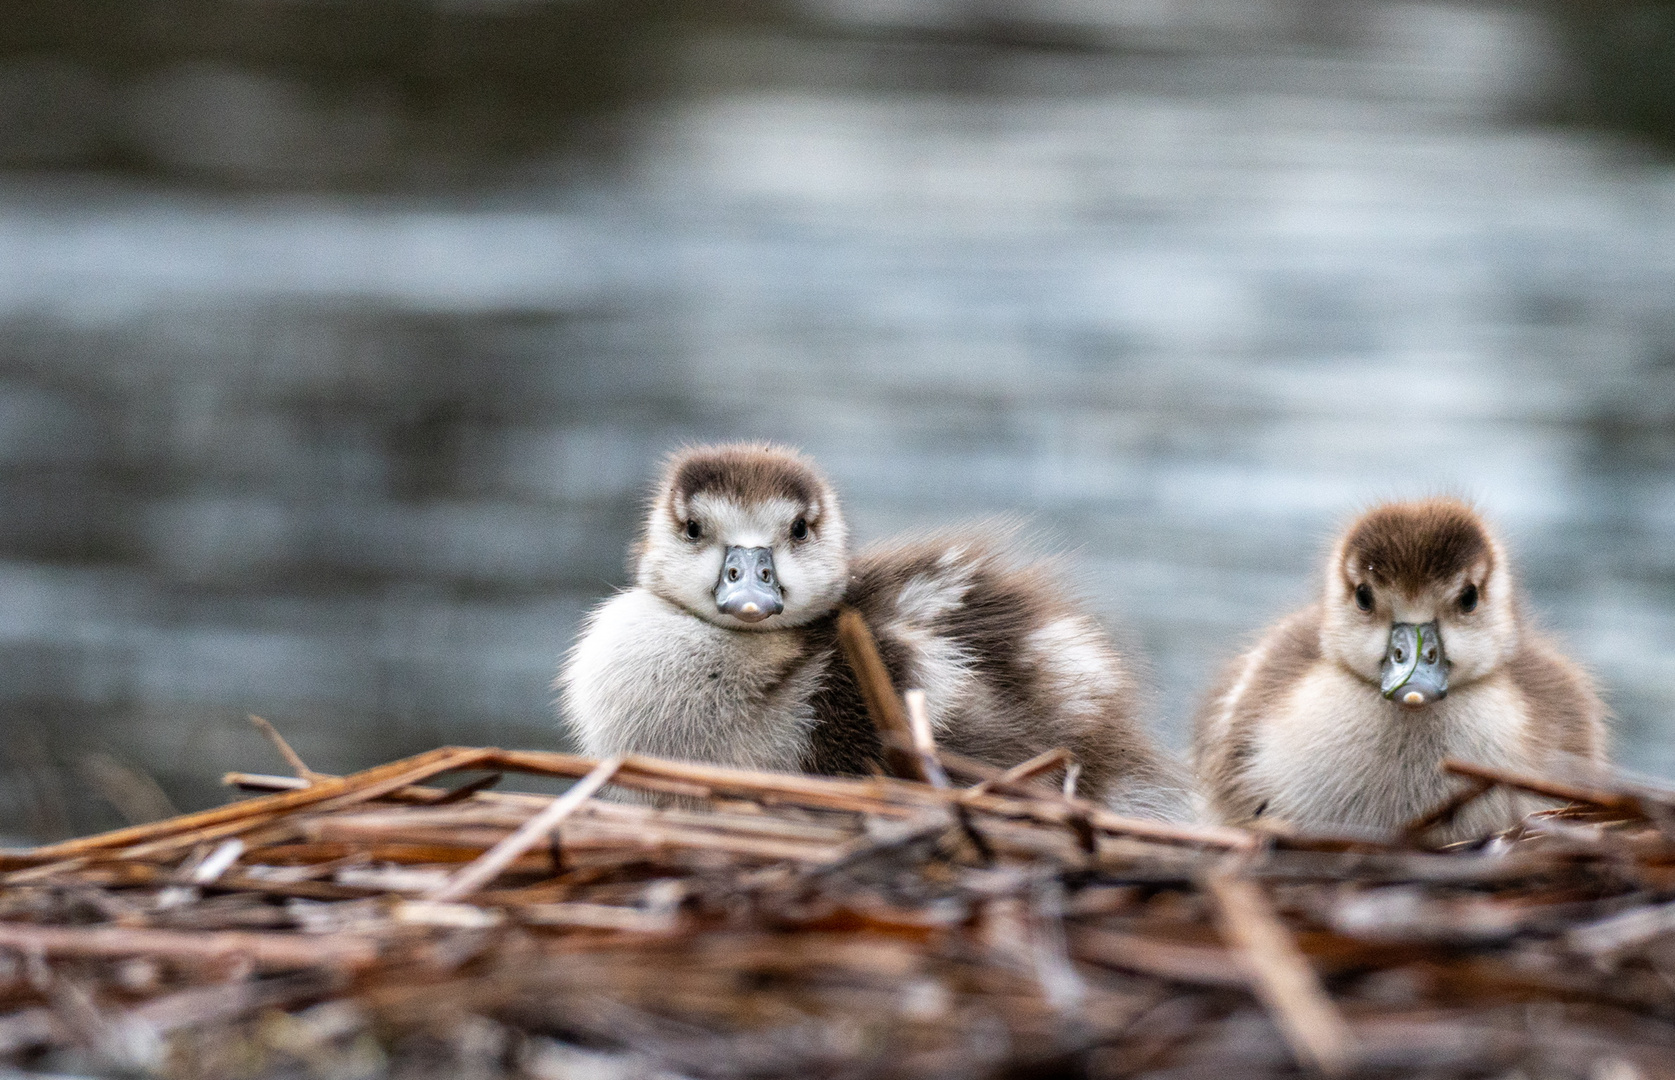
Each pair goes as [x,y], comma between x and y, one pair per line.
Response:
[746,535]
[1418,600]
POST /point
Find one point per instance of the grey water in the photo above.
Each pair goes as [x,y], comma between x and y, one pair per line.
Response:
[323,405]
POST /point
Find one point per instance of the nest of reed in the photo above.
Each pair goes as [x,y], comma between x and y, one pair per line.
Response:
[772,925]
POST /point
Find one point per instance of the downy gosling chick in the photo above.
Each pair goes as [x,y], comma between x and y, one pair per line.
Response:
[1417,650]
[725,648]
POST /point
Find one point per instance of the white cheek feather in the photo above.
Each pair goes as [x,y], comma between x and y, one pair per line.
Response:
[813,580]
[1356,640]
[685,573]
[1072,652]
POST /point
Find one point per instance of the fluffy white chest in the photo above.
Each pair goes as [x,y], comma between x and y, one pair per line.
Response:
[649,678]
[1335,753]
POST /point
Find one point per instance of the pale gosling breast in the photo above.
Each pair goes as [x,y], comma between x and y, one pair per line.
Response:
[1417,650]
[719,649]
[725,648]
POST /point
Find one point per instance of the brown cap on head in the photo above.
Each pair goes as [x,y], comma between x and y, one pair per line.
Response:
[744,472]
[1411,545]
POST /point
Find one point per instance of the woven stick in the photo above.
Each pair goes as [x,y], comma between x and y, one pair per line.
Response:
[879,694]
[530,833]
[269,951]
[1281,976]
[1541,785]
[884,797]
[407,771]
[1024,771]
[1202,965]
[292,758]
[1448,809]
[924,740]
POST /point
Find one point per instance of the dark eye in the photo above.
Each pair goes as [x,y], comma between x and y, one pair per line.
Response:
[799,529]
[1364,597]
[1468,598]
[694,530]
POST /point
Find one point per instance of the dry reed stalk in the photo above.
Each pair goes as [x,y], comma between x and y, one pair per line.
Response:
[1446,811]
[414,794]
[924,740]
[360,791]
[271,952]
[880,796]
[1563,790]
[1201,965]
[532,832]
[605,817]
[1011,779]
[964,931]
[1281,975]
[879,694]
[409,770]
[292,758]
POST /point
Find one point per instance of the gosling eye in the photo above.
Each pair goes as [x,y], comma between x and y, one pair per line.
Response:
[799,529]
[1364,597]
[694,530]
[1468,598]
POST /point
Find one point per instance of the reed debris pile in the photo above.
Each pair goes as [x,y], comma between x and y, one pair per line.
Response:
[769,925]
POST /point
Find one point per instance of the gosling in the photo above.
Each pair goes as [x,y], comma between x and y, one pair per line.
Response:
[724,649]
[1417,650]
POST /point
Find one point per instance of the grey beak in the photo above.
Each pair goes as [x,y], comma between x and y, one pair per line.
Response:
[749,588]
[1415,668]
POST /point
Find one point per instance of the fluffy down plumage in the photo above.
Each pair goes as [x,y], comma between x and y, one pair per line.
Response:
[1011,665]
[1298,728]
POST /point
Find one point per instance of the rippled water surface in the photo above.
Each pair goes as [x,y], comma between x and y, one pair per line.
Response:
[319,422]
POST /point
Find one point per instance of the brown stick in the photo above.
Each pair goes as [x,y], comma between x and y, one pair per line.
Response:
[508,810]
[924,740]
[530,833]
[1200,965]
[416,793]
[1541,785]
[273,952]
[292,758]
[374,781]
[459,758]
[1449,809]
[885,708]
[262,782]
[1281,976]
[1024,771]
[878,796]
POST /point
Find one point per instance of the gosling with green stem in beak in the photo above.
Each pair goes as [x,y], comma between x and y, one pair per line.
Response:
[1418,650]
[725,648]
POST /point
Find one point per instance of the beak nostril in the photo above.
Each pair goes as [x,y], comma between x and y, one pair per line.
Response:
[732,573]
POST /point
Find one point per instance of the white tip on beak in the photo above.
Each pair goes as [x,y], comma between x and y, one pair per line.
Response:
[1413,697]
[750,609]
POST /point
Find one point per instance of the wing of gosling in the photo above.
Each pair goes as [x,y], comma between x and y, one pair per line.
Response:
[1012,667]
[1249,692]
[1565,711]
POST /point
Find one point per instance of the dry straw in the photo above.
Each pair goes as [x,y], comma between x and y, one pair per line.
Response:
[673,919]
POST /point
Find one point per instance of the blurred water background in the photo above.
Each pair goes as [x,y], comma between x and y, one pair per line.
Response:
[338,340]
